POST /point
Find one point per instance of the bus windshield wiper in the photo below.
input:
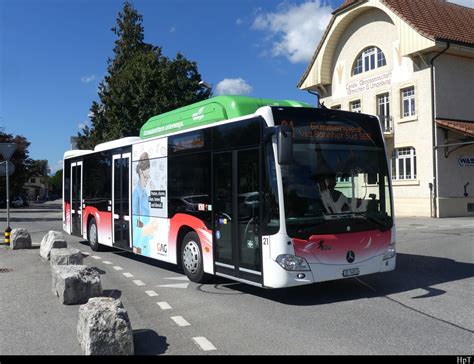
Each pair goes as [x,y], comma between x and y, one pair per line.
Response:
[383,225]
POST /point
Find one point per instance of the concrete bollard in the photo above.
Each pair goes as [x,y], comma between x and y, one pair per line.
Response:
[104,328]
[75,284]
[65,256]
[20,239]
[53,239]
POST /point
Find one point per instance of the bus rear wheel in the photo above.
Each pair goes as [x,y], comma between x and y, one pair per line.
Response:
[191,258]
[92,234]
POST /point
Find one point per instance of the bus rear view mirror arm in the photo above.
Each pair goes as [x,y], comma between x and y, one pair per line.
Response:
[284,135]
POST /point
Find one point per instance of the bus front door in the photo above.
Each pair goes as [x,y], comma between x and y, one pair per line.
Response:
[236,207]
[121,174]
[76,198]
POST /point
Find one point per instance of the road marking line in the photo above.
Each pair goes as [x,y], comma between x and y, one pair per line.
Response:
[177,285]
[128,275]
[95,257]
[118,268]
[180,321]
[107,262]
[151,293]
[180,278]
[203,343]
[164,305]
[139,283]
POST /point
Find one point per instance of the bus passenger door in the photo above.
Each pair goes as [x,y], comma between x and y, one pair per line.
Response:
[236,208]
[121,174]
[76,198]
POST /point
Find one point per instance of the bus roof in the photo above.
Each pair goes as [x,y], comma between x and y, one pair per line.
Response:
[208,111]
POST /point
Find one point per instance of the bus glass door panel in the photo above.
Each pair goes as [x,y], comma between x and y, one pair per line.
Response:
[76,198]
[121,200]
[248,196]
[236,209]
[223,210]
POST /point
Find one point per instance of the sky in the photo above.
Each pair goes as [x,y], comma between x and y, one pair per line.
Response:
[53,55]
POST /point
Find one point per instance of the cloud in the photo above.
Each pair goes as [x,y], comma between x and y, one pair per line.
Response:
[233,86]
[294,30]
[238,21]
[172,29]
[87,79]
[468,3]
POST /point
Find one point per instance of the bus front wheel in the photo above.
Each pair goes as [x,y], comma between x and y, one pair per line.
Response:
[93,236]
[191,258]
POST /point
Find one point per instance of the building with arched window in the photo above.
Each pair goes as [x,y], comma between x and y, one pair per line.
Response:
[412,64]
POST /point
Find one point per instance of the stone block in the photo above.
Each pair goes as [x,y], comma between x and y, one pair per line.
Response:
[75,284]
[53,239]
[20,239]
[65,256]
[104,328]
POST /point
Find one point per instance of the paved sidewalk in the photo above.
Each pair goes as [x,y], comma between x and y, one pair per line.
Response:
[32,320]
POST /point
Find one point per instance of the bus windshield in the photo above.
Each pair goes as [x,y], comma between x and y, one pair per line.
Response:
[338,181]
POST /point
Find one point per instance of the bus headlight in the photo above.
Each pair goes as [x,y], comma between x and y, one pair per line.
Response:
[292,262]
[390,253]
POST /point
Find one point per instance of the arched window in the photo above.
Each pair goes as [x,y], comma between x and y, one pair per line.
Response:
[370,58]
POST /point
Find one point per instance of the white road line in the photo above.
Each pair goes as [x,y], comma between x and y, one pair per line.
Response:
[128,275]
[139,283]
[164,305]
[95,257]
[180,278]
[151,293]
[180,321]
[118,268]
[177,285]
[203,343]
[107,262]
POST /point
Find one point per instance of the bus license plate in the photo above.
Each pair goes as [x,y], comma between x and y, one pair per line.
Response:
[350,272]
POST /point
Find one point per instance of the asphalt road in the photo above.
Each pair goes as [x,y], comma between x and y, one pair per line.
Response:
[423,307]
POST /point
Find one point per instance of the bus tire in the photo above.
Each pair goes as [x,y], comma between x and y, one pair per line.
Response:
[191,258]
[93,236]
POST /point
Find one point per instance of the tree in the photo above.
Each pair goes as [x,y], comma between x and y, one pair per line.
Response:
[38,168]
[141,83]
[22,163]
[57,183]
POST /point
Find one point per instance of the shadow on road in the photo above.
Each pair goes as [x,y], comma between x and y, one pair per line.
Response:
[148,342]
[412,272]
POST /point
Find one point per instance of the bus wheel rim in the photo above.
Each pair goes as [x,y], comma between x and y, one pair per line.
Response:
[93,234]
[191,256]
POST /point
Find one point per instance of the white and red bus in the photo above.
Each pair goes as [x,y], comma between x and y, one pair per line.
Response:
[270,193]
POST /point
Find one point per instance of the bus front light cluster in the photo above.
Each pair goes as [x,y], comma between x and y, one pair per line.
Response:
[292,262]
[390,253]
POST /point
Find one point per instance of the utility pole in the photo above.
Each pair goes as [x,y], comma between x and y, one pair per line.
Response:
[7,150]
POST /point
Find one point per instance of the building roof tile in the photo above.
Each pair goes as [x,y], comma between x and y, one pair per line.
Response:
[434,19]
[463,127]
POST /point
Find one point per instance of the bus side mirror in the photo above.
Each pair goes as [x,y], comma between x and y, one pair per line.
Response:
[284,144]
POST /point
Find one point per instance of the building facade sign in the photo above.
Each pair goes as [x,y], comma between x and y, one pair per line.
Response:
[466,161]
[365,84]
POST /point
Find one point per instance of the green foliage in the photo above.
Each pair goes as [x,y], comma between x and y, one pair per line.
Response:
[57,183]
[39,168]
[22,162]
[141,83]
